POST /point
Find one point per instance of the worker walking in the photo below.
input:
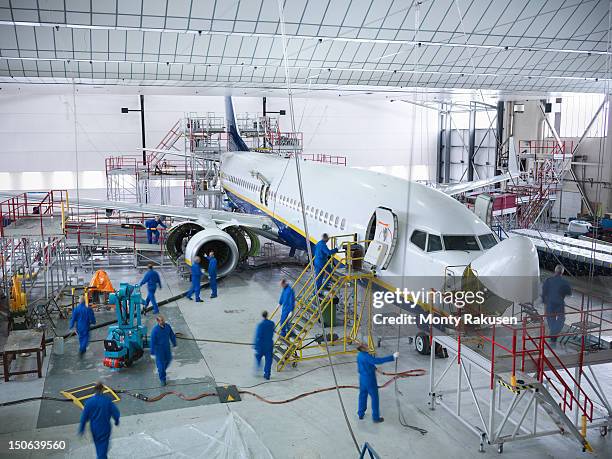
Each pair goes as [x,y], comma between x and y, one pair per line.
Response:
[161,337]
[321,256]
[554,291]
[286,303]
[152,231]
[98,411]
[82,316]
[212,273]
[196,277]
[264,344]
[368,385]
[153,281]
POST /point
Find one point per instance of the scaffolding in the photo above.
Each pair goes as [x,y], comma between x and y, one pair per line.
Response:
[205,139]
[33,260]
[544,164]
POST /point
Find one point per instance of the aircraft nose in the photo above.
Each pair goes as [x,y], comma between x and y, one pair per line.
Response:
[510,269]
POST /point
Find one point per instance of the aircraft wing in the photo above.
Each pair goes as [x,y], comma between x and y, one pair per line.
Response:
[205,216]
[462,187]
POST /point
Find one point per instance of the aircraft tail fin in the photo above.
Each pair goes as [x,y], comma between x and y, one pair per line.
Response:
[234,141]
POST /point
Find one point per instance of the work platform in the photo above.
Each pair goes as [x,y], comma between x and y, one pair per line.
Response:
[501,405]
[578,253]
[34,226]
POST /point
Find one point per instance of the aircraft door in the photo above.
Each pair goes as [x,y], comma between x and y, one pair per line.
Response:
[382,232]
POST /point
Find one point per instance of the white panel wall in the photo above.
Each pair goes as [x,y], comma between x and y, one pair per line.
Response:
[39,148]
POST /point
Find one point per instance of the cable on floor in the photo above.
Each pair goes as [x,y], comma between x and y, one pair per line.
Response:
[395,377]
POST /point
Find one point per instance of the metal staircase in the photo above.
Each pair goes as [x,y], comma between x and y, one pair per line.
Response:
[342,314]
[538,393]
[168,142]
[538,188]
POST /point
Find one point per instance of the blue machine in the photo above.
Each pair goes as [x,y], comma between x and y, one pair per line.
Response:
[125,341]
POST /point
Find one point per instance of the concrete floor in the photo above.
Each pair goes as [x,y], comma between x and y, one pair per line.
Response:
[311,427]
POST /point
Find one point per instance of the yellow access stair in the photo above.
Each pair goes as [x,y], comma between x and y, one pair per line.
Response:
[344,302]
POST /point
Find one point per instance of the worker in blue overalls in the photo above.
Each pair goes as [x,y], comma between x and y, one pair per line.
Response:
[161,337]
[82,316]
[286,302]
[554,291]
[98,411]
[264,344]
[152,279]
[212,273]
[321,256]
[152,231]
[368,385]
[196,276]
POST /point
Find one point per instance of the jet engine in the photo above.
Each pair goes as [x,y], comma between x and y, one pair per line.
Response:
[231,244]
[226,250]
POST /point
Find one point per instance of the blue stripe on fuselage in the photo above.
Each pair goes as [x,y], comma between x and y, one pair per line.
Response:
[291,237]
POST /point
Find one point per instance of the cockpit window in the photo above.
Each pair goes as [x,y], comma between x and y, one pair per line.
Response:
[487,241]
[418,238]
[434,243]
[460,243]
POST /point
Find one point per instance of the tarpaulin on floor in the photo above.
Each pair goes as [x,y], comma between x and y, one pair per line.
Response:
[229,438]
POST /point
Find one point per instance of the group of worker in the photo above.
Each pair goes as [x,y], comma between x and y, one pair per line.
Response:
[99,410]
[196,277]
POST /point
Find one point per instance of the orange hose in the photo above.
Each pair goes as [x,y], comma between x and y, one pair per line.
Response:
[394,377]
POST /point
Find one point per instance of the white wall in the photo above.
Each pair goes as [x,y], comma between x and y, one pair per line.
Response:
[37,133]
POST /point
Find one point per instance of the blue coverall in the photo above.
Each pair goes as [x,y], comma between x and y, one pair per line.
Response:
[161,337]
[196,277]
[152,232]
[264,344]
[554,291]
[212,276]
[366,365]
[99,410]
[321,255]
[287,302]
[152,279]
[83,317]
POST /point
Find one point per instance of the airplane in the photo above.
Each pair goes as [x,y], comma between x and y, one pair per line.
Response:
[421,235]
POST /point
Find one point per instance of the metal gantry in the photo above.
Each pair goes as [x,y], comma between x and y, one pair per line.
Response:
[510,383]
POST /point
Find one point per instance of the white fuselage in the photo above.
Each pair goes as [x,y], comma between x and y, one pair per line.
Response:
[341,200]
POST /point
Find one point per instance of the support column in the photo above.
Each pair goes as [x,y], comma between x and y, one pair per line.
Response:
[471,142]
[440,150]
[499,135]
[447,146]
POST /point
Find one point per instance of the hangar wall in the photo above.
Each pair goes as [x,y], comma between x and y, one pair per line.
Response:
[37,132]
[595,151]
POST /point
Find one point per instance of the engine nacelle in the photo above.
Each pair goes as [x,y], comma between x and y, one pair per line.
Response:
[226,250]
[178,236]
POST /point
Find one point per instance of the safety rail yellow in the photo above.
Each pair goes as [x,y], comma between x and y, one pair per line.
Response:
[341,285]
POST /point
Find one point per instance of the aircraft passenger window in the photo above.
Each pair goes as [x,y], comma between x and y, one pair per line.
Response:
[419,238]
[487,241]
[460,243]
[434,243]
[343,223]
[325,218]
[331,219]
[336,221]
